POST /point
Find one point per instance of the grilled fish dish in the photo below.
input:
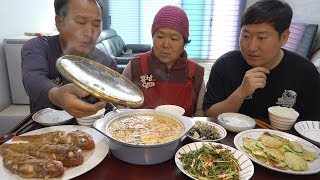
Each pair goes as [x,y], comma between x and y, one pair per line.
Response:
[28,166]
[76,138]
[69,155]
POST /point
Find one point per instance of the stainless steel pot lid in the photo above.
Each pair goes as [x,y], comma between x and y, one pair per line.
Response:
[100,81]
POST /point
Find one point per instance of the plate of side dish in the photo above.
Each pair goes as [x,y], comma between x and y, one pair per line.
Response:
[234,163]
[279,151]
[309,130]
[92,156]
[207,131]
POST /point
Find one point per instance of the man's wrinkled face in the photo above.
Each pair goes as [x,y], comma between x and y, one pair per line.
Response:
[261,45]
[81,27]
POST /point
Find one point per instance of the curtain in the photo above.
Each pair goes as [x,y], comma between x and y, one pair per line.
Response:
[213,24]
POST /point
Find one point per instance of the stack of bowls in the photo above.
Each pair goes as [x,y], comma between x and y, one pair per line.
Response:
[282,118]
[89,120]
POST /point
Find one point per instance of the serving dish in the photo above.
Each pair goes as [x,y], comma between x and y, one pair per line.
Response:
[246,165]
[310,130]
[219,130]
[100,81]
[51,117]
[314,167]
[141,154]
[92,160]
[236,122]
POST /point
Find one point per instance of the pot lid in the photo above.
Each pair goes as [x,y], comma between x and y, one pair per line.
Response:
[100,81]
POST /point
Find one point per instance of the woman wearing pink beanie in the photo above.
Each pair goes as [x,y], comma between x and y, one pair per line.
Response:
[165,74]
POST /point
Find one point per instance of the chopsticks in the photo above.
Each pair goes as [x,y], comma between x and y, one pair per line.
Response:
[264,125]
[23,124]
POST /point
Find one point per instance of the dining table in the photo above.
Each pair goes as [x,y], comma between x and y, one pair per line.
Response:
[113,168]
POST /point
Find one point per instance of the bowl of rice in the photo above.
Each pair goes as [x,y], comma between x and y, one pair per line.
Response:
[282,118]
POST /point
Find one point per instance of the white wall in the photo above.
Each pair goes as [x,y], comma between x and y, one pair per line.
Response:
[17,17]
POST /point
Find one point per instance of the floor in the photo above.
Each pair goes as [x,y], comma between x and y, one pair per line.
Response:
[16,110]
[11,116]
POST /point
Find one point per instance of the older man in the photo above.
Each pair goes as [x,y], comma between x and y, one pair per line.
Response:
[79,25]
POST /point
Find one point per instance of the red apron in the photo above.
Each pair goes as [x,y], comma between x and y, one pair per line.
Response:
[160,93]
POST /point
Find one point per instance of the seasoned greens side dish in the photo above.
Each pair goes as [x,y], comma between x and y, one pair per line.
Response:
[211,162]
[278,152]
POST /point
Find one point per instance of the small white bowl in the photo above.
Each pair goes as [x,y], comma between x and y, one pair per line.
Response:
[98,115]
[282,118]
[89,124]
[236,122]
[89,120]
[171,109]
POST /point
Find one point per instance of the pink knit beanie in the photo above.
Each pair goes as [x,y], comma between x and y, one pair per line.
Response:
[171,17]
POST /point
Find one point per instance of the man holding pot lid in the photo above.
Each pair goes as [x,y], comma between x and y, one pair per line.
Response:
[165,75]
[79,24]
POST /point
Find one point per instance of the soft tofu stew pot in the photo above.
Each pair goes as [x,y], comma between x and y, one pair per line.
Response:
[157,142]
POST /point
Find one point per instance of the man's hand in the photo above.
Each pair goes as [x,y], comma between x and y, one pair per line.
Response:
[68,97]
[253,79]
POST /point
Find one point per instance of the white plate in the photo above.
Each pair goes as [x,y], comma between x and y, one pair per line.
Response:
[99,153]
[220,129]
[314,167]
[309,130]
[51,117]
[246,165]
[236,122]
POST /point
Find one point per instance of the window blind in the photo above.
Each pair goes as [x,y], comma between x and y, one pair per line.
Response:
[213,24]
[301,38]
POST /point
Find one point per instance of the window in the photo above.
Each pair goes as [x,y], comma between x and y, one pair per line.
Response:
[213,24]
[301,38]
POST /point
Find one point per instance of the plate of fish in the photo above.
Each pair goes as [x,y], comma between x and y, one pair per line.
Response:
[59,152]
[309,130]
[279,151]
[210,160]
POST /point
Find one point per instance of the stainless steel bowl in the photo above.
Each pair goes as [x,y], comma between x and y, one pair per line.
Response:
[141,154]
